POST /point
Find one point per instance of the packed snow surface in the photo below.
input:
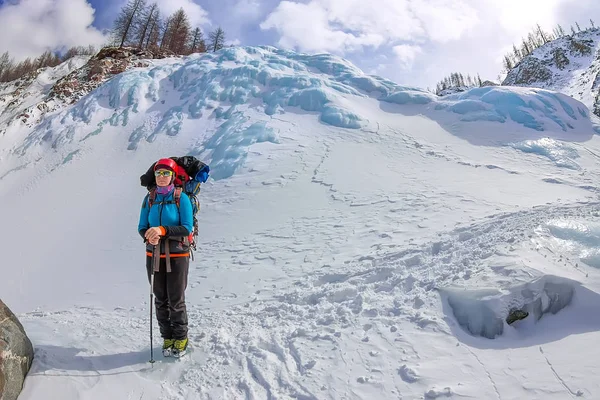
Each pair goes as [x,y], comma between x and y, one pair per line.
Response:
[359,239]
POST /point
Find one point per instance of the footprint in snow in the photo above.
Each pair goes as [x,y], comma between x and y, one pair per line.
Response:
[408,374]
[435,393]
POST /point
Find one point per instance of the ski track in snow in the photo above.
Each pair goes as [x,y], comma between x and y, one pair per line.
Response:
[287,346]
[562,382]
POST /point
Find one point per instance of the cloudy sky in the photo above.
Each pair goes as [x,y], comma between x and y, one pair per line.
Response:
[414,42]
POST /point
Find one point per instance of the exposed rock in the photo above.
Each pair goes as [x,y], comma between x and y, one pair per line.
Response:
[536,68]
[559,58]
[108,62]
[596,107]
[569,64]
[16,354]
[97,68]
[488,83]
[580,47]
[516,315]
[452,90]
[43,107]
[530,70]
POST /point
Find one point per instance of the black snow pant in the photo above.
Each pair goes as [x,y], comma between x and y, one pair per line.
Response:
[169,296]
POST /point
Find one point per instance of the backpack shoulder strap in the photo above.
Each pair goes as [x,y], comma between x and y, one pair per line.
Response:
[151,197]
[177,195]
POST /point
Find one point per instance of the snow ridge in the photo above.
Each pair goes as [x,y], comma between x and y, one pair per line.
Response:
[160,100]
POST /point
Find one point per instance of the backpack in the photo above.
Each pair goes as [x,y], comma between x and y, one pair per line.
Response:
[189,176]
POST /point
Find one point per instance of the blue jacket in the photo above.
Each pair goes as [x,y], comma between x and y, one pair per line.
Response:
[176,223]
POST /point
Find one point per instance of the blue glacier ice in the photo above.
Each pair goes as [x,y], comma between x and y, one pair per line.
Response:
[483,312]
[340,117]
[404,96]
[581,237]
[562,154]
[273,81]
[229,143]
[582,233]
[474,314]
[537,109]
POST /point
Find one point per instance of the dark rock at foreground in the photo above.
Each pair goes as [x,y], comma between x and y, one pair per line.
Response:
[16,354]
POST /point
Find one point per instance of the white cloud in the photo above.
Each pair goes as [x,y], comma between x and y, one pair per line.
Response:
[343,26]
[445,20]
[425,39]
[481,49]
[197,15]
[34,26]
[519,16]
[406,54]
[247,11]
[306,26]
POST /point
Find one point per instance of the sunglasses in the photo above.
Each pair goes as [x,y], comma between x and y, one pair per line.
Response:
[163,172]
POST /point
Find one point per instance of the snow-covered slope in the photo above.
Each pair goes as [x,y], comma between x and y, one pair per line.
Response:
[360,239]
[569,65]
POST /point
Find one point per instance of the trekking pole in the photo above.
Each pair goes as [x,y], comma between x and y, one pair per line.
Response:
[151,303]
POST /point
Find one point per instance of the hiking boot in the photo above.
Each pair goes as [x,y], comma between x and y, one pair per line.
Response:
[180,347]
[167,348]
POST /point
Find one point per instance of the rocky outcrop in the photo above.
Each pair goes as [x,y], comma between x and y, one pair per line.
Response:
[488,83]
[570,65]
[529,71]
[580,47]
[561,54]
[16,354]
[453,90]
[559,58]
[109,61]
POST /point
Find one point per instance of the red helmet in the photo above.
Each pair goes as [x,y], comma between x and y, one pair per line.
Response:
[166,163]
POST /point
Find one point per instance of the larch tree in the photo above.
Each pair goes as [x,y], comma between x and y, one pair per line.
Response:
[542,35]
[127,21]
[180,32]
[507,63]
[5,63]
[144,28]
[197,44]
[153,36]
[516,52]
[216,39]
[166,34]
